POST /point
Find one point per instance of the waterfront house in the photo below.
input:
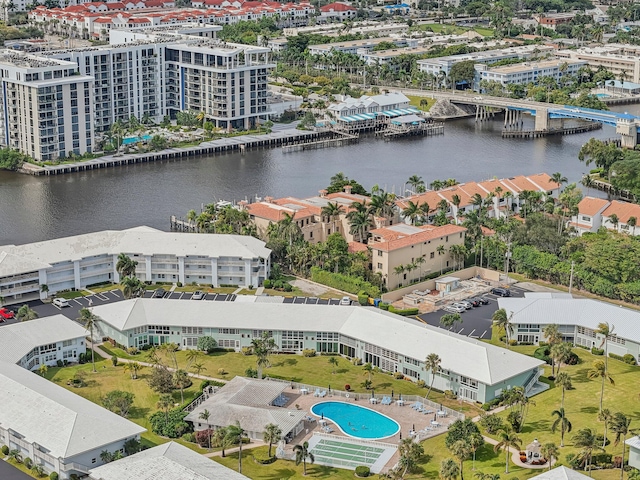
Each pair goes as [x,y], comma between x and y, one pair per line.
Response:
[594,213]
[589,217]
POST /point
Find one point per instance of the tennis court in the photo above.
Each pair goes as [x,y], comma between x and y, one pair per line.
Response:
[347,453]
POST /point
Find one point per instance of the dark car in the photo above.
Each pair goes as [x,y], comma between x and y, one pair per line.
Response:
[474,301]
[159,293]
[501,292]
[484,300]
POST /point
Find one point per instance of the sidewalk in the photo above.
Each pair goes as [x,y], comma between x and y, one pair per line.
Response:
[227,451]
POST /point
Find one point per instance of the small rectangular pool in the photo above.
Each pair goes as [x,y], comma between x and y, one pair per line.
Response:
[130,140]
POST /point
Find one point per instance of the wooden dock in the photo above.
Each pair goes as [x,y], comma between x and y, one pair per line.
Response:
[546,133]
[427,129]
[338,140]
[223,145]
[179,225]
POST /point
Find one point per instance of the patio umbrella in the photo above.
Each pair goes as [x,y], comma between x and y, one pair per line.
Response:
[413,427]
[391,393]
[322,418]
[435,418]
[400,435]
[329,388]
[373,393]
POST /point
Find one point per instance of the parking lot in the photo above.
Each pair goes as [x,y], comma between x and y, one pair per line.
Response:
[476,322]
[115,295]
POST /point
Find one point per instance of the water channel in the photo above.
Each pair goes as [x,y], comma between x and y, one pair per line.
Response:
[39,208]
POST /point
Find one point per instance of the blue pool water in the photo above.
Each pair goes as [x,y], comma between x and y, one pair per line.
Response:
[130,140]
[357,421]
[602,95]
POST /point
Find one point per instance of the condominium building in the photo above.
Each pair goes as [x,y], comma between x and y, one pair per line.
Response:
[428,248]
[621,59]
[82,260]
[594,213]
[529,72]
[388,341]
[46,106]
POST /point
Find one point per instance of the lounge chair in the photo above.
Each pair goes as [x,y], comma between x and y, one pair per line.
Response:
[323,394]
[316,393]
[416,406]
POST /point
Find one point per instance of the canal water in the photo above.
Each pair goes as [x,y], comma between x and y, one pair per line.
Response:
[40,208]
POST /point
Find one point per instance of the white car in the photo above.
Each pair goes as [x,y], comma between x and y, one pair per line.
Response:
[465,304]
[345,301]
[61,302]
[197,295]
[455,308]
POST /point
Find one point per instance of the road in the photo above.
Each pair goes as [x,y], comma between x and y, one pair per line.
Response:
[476,322]
[9,472]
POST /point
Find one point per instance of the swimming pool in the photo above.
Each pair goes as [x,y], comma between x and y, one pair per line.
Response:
[356,421]
[130,140]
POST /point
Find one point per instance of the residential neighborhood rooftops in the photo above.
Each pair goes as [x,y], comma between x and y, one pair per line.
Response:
[337,7]
[400,236]
[591,205]
[483,362]
[19,339]
[169,461]
[64,423]
[623,210]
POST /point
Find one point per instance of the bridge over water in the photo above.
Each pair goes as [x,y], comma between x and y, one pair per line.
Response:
[548,117]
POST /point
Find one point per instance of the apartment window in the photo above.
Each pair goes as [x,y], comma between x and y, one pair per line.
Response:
[380,266]
[432,255]
[379,253]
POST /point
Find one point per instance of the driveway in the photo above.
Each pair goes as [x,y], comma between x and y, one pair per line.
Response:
[9,472]
[476,322]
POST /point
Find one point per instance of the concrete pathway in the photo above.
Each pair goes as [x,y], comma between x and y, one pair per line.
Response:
[238,290]
[173,287]
[227,451]
[259,291]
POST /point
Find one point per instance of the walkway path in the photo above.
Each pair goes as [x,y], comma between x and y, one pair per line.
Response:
[227,451]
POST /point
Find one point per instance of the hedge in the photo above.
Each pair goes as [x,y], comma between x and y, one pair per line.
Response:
[542,353]
[597,351]
[404,312]
[264,460]
[627,358]
[344,282]
[362,471]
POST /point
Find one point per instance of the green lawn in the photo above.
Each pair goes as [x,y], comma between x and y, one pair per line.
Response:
[415,101]
[110,378]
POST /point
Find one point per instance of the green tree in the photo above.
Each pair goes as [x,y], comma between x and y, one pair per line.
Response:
[220,439]
[563,381]
[562,423]
[118,401]
[125,266]
[604,155]
[410,453]
[26,313]
[605,417]
[303,454]
[207,344]
[236,436]
[133,368]
[90,322]
[368,371]
[506,440]
[432,365]
[132,287]
[333,361]
[503,322]
[585,439]
[598,370]
[449,470]
[620,424]
[272,434]
[461,449]
[263,347]
[549,451]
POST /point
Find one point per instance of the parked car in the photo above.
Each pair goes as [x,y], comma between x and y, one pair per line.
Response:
[6,314]
[159,293]
[345,301]
[455,308]
[475,301]
[466,304]
[61,302]
[501,292]
[197,295]
[484,300]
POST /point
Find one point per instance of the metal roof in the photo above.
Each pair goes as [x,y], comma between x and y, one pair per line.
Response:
[169,461]
[486,363]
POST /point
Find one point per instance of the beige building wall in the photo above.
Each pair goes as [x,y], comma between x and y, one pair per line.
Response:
[385,262]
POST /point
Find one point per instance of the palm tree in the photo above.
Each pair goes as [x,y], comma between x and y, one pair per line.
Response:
[382,205]
[368,371]
[133,368]
[605,330]
[181,379]
[412,211]
[458,253]
[204,415]
[26,313]
[132,287]
[632,223]
[220,439]
[332,211]
[476,440]
[198,368]
[432,364]
[410,453]
[605,417]
[503,322]
[236,435]
[599,370]
[614,220]
[416,183]
[165,402]
[272,434]
[549,451]
[302,454]
[449,470]
[620,426]
[89,320]
[359,222]
[262,348]
[125,266]
[560,352]
[563,380]
[586,440]
[561,422]
[558,178]
[508,439]
[334,363]
[587,181]
[441,251]
[461,450]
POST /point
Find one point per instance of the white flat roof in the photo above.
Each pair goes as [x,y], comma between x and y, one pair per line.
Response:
[584,312]
[141,240]
[61,422]
[169,461]
[484,362]
[19,339]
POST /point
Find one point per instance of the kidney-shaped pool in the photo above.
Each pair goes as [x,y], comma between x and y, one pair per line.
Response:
[357,421]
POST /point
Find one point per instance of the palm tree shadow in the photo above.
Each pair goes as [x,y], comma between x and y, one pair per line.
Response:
[281,473]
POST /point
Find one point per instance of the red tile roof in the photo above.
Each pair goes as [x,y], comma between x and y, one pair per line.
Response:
[337,7]
[394,240]
[623,210]
[357,247]
[591,205]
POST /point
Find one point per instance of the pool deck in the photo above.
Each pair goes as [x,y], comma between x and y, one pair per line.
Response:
[406,416]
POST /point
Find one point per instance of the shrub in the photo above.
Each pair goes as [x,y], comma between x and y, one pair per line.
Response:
[344,282]
[347,387]
[266,283]
[207,344]
[5,450]
[383,306]
[309,352]
[114,360]
[542,353]
[627,358]
[53,476]
[404,312]
[251,373]
[170,424]
[247,350]
[513,342]
[179,284]
[59,363]
[421,383]
[597,351]
[264,460]
[363,298]
[600,439]
[222,371]
[449,394]
[28,462]
[362,471]
[133,351]
[573,359]
[398,375]
[189,437]
[203,437]
[601,458]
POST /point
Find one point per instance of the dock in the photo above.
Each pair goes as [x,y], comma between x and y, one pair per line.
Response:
[222,145]
[339,139]
[423,129]
[545,133]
